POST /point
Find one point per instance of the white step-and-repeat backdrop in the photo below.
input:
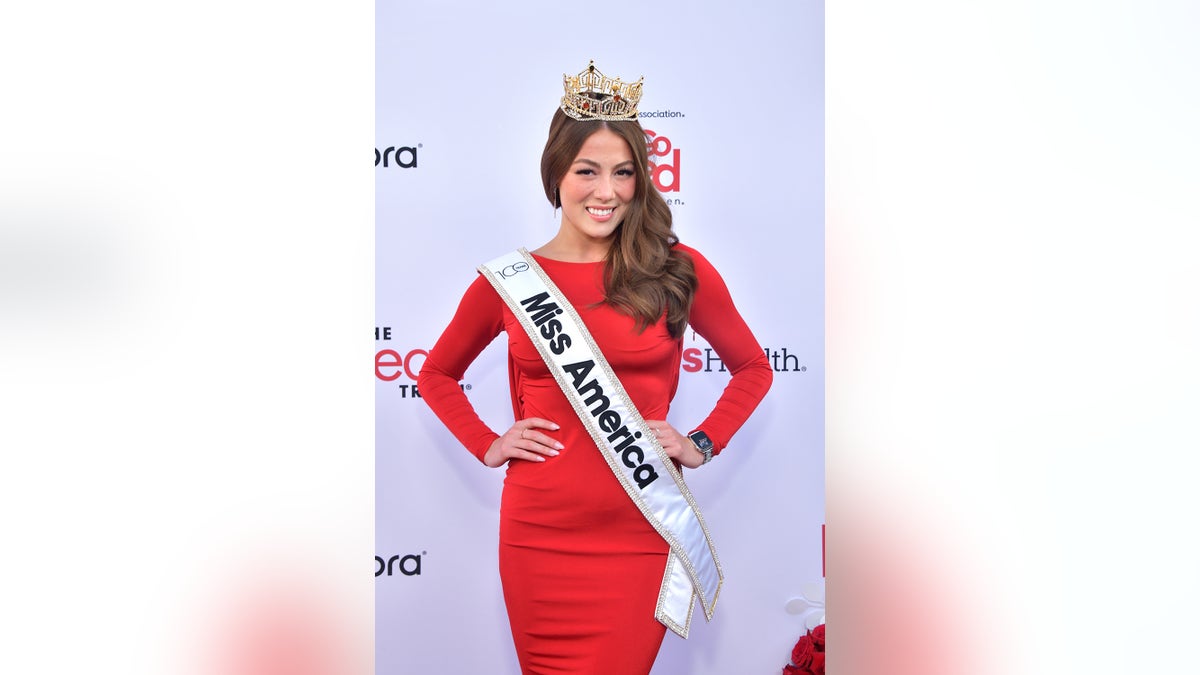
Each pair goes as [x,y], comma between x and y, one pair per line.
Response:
[733,111]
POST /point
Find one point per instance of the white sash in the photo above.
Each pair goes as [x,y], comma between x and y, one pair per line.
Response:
[647,473]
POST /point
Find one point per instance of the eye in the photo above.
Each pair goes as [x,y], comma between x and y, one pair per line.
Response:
[624,172]
[584,172]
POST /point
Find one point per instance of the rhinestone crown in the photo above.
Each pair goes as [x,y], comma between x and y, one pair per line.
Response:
[592,95]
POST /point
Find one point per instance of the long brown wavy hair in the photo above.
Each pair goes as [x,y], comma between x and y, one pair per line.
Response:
[644,274]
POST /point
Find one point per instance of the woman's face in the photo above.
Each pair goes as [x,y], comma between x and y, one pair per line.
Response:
[597,188]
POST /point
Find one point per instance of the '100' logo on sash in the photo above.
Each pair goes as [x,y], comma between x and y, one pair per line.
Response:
[621,440]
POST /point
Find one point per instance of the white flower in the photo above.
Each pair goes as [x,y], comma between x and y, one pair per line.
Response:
[810,605]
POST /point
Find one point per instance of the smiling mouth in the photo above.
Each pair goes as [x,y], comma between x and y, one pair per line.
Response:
[600,212]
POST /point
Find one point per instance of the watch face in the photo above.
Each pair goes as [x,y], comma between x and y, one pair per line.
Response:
[701,439]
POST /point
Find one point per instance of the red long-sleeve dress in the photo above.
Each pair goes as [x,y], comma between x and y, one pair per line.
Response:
[579,564]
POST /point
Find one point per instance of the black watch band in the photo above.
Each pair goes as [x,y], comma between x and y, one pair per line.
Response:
[703,443]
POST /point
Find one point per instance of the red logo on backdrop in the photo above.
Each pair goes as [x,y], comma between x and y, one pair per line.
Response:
[664,162]
[706,360]
[392,364]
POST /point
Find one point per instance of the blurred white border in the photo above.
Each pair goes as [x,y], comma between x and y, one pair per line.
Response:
[1012,222]
[1011,334]
[186,303]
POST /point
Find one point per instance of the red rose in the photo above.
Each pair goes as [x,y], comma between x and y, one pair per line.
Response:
[808,656]
[803,651]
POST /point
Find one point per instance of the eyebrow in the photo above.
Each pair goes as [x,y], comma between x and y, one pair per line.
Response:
[589,162]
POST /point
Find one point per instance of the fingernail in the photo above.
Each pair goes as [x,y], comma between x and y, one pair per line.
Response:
[556,427]
[558,445]
[554,453]
[540,458]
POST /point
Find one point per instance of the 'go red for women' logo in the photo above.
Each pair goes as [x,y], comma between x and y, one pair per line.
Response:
[664,162]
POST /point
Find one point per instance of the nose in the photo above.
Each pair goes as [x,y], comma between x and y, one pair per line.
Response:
[604,188]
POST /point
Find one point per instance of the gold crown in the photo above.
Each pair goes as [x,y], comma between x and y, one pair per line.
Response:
[592,95]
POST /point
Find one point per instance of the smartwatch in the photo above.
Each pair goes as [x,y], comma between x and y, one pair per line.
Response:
[703,443]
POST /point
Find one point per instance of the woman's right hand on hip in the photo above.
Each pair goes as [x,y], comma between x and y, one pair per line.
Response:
[524,441]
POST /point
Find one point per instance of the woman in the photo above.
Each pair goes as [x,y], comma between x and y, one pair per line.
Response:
[581,564]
